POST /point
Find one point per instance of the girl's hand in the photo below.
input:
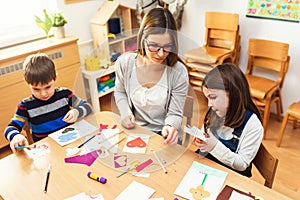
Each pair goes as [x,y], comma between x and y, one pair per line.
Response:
[170,134]
[71,116]
[208,145]
[128,121]
[18,140]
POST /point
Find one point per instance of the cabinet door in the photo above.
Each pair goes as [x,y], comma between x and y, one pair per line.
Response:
[11,95]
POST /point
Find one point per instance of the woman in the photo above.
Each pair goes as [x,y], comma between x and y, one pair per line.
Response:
[151,84]
[232,124]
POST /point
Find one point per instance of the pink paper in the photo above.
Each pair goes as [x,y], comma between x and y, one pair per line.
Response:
[87,159]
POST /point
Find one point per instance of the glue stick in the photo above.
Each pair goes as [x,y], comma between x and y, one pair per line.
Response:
[96,177]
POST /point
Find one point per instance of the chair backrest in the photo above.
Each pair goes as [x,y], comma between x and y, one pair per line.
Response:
[27,131]
[266,164]
[188,114]
[269,55]
[222,30]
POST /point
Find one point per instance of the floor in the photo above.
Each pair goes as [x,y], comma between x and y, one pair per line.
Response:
[287,180]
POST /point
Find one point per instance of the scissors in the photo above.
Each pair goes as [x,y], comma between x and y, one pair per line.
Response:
[132,165]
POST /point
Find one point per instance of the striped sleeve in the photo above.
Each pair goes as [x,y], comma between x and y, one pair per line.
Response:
[81,105]
[16,123]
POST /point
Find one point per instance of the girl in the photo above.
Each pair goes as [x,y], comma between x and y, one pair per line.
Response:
[232,124]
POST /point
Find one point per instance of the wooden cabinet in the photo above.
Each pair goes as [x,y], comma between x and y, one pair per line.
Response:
[13,88]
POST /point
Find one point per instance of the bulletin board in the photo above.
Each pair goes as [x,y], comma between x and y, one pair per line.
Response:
[286,10]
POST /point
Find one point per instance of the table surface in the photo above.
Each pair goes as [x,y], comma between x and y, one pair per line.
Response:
[24,178]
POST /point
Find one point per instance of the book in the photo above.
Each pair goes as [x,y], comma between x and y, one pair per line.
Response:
[231,193]
[201,181]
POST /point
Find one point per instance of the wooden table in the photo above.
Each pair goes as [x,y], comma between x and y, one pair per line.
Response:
[23,178]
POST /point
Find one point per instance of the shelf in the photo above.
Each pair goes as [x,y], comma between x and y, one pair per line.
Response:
[101,94]
[98,73]
[90,80]
[121,38]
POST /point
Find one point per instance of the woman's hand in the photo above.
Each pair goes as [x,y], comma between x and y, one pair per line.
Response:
[71,116]
[18,140]
[208,145]
[170,134]
[128,121]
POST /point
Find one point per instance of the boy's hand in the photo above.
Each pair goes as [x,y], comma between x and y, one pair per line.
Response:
[71,116]
[170,134]
[18,140]
[128,121]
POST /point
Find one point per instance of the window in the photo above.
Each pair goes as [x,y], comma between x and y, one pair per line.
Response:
[17,20]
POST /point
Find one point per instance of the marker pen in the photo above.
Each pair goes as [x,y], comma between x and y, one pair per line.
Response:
[96,177]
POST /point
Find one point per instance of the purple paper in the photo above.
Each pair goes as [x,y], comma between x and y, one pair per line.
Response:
[87,159]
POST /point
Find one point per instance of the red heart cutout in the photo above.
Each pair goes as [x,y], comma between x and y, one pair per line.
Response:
[137,142]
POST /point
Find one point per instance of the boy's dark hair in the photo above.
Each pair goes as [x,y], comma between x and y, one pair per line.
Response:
[39,68]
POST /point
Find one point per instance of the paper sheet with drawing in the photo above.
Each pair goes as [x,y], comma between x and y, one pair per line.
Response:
[201,181]
[73,132]
[136,143]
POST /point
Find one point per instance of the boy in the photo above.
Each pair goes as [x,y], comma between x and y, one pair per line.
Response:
[47,109]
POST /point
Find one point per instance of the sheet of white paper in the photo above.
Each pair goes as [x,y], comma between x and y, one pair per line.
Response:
[238,196]
[83,196]
[136,191]
[39,151]
[194,131]
[136,143]
[103,141]
[73,132]
[191,182]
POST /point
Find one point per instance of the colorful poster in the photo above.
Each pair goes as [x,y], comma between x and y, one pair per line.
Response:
[286,10]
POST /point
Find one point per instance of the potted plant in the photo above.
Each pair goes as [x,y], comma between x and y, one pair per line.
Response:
[58,21]
[45,24]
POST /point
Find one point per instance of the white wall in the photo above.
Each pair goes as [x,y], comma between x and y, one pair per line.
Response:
[79,15]
[288,32]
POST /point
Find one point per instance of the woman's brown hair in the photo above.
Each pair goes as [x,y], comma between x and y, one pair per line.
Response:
[159,21]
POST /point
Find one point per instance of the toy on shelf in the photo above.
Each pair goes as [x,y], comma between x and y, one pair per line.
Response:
[93,63]
[106,82]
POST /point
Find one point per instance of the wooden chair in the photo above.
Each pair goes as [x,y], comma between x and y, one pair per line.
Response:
[292,113]
[188,114]
[271,58]
[222,44]
[26,129]
[266,164]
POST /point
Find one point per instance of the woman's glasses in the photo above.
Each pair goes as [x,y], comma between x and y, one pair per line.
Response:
[155,47]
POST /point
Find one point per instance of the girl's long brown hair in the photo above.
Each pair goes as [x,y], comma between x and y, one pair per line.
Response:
[230,78]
